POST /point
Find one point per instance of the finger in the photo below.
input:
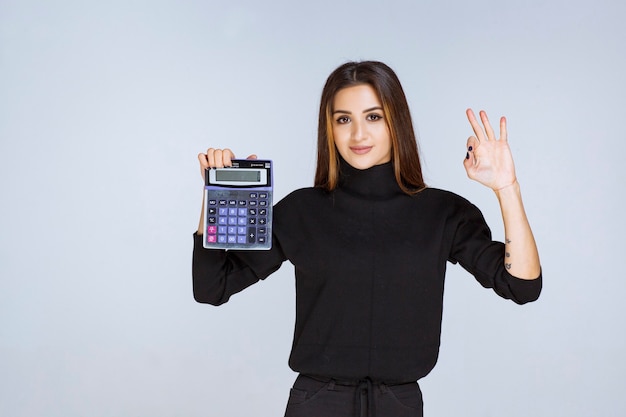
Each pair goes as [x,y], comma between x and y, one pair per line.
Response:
[471,146]
[218,156]
[210,155]
[488,128]
[253,156]
[478,130]
[227,157]
[503,133]
[204,163]
[469,163]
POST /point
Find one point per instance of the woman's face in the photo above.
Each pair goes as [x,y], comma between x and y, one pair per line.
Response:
[359,128]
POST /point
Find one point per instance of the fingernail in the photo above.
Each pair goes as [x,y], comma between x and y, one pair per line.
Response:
[467,155]
[470,149]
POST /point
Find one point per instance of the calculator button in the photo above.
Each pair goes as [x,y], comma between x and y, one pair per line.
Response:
[211,238]
[239,218]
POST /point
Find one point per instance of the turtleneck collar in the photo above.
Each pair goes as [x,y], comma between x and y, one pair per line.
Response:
[377,182]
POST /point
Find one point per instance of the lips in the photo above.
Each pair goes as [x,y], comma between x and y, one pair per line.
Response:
[360,150]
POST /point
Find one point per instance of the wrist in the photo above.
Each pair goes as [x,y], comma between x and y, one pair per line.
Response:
[512,188]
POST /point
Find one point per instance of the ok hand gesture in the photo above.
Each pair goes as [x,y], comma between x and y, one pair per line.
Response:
[488,159]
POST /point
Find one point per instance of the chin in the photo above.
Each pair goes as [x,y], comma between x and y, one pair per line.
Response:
[360,164]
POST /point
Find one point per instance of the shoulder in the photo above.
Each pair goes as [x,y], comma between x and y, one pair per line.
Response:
[439,196]
[449,205]
[301,196]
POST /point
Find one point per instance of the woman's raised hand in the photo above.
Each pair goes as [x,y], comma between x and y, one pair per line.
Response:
[489,160]
[217,158]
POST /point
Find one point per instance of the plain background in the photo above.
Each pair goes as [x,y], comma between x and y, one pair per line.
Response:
[104,106]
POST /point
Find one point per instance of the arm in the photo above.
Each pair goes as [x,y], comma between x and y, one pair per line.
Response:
[489,161]
[218,274]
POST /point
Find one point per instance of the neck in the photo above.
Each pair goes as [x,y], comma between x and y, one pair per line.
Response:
[377,182]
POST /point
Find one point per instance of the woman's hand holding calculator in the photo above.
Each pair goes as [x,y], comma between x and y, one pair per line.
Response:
[217,158]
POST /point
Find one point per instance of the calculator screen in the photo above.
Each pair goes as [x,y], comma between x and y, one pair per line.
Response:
[236,175]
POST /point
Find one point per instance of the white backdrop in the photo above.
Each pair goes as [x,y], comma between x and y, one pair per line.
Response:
[104,106]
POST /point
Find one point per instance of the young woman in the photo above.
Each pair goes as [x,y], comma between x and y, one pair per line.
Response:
[370,243]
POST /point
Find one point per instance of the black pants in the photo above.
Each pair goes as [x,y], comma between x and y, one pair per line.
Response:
[321,397]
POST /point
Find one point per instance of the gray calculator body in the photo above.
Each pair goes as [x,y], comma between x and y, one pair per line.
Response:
[238,206]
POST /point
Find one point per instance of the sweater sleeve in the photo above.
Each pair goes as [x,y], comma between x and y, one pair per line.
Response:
[474,249]
[218,274]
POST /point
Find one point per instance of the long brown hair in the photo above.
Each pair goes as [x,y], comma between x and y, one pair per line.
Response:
[404,154]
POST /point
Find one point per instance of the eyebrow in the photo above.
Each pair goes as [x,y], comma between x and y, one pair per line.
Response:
[364,111]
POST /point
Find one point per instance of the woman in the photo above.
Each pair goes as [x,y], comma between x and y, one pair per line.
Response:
[370,242]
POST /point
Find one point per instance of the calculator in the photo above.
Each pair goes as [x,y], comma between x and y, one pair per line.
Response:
[238,206]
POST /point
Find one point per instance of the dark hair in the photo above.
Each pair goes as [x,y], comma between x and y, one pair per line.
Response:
[404,154]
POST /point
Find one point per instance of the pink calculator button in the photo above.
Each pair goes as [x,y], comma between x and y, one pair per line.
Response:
[212,230]
[211,238]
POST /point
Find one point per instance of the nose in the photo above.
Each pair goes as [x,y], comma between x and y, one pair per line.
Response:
[358,130]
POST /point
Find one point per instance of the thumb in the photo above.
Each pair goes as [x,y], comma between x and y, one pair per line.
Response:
[253,156]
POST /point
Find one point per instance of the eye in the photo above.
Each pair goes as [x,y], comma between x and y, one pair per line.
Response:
[373,117]
[343,120]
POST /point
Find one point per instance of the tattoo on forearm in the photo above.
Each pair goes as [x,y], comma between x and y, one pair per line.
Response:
[507,255]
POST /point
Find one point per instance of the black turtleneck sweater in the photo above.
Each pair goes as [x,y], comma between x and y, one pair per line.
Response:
[370,263]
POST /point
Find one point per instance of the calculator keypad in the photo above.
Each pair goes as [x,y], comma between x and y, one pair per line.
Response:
[238,218]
